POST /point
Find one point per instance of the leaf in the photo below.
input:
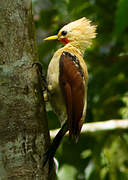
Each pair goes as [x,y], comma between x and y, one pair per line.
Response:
[61,7]
[121,20]
[124,110]
[67,172]
[85,154]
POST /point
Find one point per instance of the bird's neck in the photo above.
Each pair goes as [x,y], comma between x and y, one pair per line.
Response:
[81,47]
[75,49]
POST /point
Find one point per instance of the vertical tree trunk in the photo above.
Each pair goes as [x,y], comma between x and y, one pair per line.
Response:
[24,133]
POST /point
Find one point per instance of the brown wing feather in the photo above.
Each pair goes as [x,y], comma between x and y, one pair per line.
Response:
[72,86]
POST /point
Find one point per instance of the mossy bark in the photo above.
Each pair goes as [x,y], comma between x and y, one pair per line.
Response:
[24,133]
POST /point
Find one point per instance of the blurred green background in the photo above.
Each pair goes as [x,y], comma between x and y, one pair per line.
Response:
[97,156]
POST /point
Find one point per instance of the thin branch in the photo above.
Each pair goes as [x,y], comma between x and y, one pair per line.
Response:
[103,126]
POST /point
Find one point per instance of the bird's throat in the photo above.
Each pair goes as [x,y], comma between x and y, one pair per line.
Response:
[65,40]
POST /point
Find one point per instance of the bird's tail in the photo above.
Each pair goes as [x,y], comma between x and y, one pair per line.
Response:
[75,129]
[48,156]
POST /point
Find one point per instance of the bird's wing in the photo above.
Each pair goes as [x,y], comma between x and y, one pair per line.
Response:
[71,80]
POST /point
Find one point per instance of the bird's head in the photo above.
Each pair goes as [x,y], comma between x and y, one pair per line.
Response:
[78,33]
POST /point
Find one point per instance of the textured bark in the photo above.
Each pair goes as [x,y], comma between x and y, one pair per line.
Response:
[24,133]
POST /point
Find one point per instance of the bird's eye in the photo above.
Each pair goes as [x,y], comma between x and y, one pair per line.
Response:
[64,33]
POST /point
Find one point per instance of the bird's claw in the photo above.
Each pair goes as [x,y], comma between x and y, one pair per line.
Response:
[39,66]
[44,82]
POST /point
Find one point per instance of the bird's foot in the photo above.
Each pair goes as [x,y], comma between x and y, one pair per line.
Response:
[44,82]
[39,65]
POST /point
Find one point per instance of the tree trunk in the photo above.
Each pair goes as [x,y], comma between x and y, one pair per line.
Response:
[24,133]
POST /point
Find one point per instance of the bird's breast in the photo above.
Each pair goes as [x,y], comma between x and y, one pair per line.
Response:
[56,97]
[53,73]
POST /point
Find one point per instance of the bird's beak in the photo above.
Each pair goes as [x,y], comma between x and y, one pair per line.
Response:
[51,38]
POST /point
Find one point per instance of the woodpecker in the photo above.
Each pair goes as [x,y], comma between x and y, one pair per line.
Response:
[67,79]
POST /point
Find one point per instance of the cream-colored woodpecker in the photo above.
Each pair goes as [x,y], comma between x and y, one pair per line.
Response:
[67,79]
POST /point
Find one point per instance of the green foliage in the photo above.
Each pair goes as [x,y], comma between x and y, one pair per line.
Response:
[121,16]
[124,110]
[99,156]
[67,172]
